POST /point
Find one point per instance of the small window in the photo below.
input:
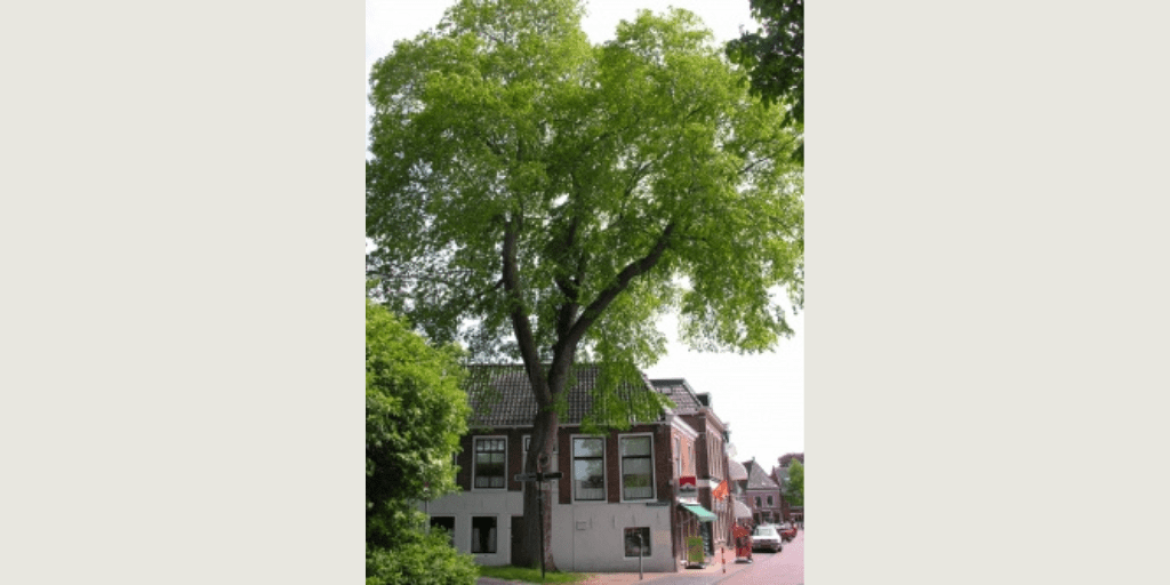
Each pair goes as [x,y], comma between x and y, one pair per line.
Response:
[489,463]
[677,458]
[758,502]
[589,469]
[769,501]
[483,534]
[637,472]
[446,523]
[637,541]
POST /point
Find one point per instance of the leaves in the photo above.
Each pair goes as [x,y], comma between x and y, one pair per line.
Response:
[505,119]
[794,486]
[774,56]
[415,414]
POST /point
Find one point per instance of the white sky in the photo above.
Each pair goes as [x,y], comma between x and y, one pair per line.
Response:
[761,396]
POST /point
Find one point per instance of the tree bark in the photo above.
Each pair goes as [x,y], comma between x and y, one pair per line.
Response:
[540,459]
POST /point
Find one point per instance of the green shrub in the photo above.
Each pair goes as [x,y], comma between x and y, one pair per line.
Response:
[428,560]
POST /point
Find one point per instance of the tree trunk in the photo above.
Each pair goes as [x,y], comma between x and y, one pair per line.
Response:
[540,455]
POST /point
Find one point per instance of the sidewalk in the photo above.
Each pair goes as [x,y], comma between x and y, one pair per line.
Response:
[713,570]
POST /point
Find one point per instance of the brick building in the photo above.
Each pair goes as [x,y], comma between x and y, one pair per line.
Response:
[616,487]
[711,458]
[761,494]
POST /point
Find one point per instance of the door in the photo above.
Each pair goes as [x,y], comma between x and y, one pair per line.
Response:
[517,540]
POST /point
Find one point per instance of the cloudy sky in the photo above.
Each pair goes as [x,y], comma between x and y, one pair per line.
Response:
[761,396]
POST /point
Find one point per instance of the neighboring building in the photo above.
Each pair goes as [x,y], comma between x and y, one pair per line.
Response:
[739,477]
[762,494]
[711,459]
[615,487]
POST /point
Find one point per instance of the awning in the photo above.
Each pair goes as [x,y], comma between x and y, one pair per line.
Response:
[741,510]
[704,514]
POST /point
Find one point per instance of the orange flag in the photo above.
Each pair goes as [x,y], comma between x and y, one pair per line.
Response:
[720,492]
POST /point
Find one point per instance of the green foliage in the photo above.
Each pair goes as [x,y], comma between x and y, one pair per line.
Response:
[530,575]
[629,179]
[774,55]
[794,486]
[561,196]
[415,414]
[424,559]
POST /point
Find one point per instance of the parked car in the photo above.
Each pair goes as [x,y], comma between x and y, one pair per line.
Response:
[766,538]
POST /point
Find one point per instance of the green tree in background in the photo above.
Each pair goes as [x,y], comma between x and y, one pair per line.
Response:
[415,414]
[561,196]
[774,56]
[794,486]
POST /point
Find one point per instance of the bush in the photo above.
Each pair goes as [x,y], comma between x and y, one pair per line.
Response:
[429,560]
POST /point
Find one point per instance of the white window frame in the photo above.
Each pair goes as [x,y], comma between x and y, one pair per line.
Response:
[573,470]
[677,455]
[646,543]
[622,470]
[474,464]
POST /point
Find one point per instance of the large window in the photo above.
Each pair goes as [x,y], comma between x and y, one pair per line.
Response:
[769,501]
[483,534]
[589,469]
[489,463]
[637,541]
[758,502]
[637,468]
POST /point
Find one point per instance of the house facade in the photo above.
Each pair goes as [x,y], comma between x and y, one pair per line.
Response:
[761,494]
[712,482]
[619,496]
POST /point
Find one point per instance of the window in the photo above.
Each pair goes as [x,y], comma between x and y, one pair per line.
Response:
[691,461]
[637,468]
[758,502]
[589,469]
[677,458]
[769,501]
[444,523]
[483,534]
[636,545]
[489,463]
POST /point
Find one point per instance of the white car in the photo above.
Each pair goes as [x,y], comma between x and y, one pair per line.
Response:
[766,538]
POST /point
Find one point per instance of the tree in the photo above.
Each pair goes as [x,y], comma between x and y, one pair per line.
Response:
[794,487]
[560,196]
[787,458]
[415,414]
[774,55]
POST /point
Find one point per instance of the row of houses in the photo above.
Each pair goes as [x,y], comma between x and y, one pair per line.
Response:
[639,493]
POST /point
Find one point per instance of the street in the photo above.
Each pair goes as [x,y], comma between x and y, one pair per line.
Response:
[782,568]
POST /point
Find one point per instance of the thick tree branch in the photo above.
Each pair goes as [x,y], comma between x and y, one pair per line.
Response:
[607,296]
[520,323]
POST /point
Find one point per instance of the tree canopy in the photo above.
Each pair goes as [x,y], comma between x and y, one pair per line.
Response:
[517,168]
[415,414]
[559,196]
[774,55]
[794,487]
